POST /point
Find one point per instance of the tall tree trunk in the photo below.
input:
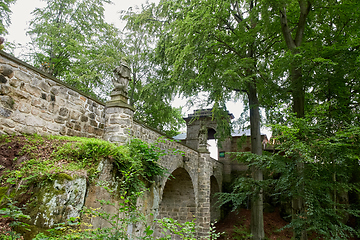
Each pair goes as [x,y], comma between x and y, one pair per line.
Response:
[257,220]
[298,95]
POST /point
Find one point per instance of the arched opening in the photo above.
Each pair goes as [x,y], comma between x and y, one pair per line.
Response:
[215,212]
[212,143]
[178,201]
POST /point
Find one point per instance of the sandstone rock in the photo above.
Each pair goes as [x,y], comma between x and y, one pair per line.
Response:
[3,79]
[7,102]
[4,90]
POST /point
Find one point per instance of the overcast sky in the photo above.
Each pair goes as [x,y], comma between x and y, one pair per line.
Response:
[21,16]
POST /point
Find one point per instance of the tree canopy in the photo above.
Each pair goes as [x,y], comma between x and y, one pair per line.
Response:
[72,41]
[301,59]
[5,13]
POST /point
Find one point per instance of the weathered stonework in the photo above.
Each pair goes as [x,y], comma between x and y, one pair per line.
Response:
[33,102]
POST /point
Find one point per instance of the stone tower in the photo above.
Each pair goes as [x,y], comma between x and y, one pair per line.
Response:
[196,123]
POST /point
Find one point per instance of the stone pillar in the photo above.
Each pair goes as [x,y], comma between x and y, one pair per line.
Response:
[203,210]
[119,114]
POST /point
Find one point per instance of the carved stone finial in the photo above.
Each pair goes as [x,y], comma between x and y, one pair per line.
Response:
[122,77]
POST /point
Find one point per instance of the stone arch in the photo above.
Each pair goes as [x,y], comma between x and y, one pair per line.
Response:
[178,197]
[215,212]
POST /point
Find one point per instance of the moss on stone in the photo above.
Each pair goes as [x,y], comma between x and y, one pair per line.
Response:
[63,176]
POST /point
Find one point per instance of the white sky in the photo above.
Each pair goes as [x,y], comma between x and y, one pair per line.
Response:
[21,16]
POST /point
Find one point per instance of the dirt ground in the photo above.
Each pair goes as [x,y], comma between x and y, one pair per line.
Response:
[236,225]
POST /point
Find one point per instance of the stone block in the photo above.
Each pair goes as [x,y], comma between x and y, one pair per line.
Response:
[77,127]
[112,110]
[34,91]
[15,82]
[7,102]
[99,131]
[43,96]
[34,121]
[53,108]
[26,129]
[62,92]
[92,115]
[73,93]
[69,125]
[118,138]
[44,86]
[7,122]
[54,90]
[40,103]
[23,106]
[46,116]
[21,94]
[93,123]
[63,112]
[7,71]
[84,118]
[63,130]
[35,111]
[19,117]
[10,131]
[70,132]
[114,128]
[3,79]
[53,127]
[75,115]
[75,100]
[60,119]
[89,129]
[4,90]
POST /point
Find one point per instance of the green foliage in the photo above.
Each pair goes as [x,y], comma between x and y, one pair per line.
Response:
[72,41]
[5,15]
[241,233]
[330,164]
[137,160]
[171,228]
[15,213]
[153,109]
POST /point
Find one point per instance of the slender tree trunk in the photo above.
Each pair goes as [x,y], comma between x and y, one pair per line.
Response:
[257,220]
[298,95]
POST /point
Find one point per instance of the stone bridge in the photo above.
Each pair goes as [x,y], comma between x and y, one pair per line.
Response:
[33,102]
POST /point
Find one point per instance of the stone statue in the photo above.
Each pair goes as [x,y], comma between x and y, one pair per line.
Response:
[203,135]
[122,77]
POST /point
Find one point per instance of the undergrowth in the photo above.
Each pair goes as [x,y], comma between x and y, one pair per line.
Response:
[43,157]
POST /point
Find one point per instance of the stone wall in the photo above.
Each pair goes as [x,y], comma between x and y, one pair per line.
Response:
[33,102]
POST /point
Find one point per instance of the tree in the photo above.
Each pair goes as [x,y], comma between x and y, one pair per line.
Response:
[5,15]
[154,109]
[317,35]
[211,46]
[72,41]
